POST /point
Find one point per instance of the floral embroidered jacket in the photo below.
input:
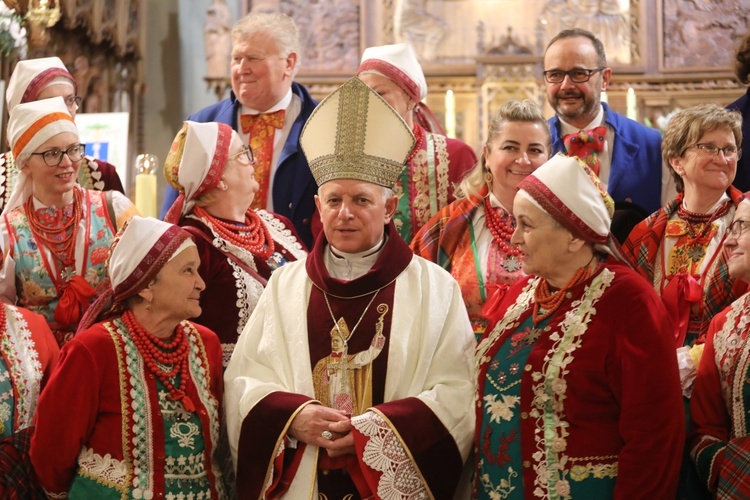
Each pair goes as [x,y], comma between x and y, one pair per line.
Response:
[29,353]
[231,292]
[29,273]
[600,405]
[414,433]
[106,428]
[436,165]
[720,438]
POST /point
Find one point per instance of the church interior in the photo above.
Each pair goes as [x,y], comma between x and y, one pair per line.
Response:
[149,58]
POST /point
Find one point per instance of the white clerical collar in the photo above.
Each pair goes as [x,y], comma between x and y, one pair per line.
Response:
[282,104]
[350,266]
[567,128]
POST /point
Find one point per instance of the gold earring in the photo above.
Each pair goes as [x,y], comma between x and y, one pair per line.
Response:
[488,178]
[148,306]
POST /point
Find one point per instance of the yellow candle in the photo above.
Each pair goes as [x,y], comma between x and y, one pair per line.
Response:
[145,194]
[604,97]
[632,105]
[450,114]
[145,184]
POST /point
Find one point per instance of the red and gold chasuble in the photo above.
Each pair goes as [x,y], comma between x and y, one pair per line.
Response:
[360,313]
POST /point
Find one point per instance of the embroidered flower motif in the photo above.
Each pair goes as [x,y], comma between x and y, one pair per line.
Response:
[502,377]
[99,255]
[562,488]
[559,386]
[35,294]
[514,367]
[500,409]
[559,444]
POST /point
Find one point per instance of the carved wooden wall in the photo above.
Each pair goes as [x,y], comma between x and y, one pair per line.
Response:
[673,53]
[101,43]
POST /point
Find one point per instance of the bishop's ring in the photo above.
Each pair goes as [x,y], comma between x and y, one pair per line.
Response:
[326,435]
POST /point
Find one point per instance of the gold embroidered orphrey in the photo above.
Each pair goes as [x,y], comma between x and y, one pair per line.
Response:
[344,381]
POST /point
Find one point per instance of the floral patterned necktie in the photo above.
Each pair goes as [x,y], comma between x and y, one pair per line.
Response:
[586,145]
[262,128]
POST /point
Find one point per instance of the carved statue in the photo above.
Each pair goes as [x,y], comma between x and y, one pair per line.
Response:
[413,24]
[607,19]
[218,39]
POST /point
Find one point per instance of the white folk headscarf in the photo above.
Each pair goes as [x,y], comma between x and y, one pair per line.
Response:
[195,163]
[571,193]
[141,248]
[30,125]
[31,76]
[399,64]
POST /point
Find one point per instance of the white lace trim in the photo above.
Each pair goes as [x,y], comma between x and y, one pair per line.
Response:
[384,453]
[102,469]
[226,353]
[19,336]
[280,233]
[248,294]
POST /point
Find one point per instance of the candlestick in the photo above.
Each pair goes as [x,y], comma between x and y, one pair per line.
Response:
[145,184]
[603,97]
[450,114]
[632,105]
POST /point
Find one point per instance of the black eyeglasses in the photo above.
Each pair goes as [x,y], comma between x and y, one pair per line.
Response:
[245,155]
[74,100]
[53,157]
[731,153]
[577,75]
[736,227]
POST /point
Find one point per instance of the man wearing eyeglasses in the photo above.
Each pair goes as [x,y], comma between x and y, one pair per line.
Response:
[625,154]
[268,110]
[45,78]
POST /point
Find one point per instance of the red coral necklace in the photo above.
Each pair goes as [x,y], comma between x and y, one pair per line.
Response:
[172,356]
[60,239]
[550,301]
[253,236]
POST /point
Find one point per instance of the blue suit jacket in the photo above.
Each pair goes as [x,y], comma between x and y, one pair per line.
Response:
[742,179]
[294,187]
[635,173]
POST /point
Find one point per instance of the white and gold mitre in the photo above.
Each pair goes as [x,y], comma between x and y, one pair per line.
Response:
[354,134]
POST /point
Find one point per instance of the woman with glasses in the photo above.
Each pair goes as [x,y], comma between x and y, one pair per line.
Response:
[720,444]
[680,248]
[470,238]
[36,80]
[239,247]
[54,234]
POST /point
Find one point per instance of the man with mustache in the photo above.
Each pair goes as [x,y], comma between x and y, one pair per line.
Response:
[625,154]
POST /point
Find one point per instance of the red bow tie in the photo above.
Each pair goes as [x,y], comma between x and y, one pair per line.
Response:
[275,120]
[586,145]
